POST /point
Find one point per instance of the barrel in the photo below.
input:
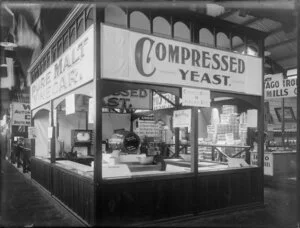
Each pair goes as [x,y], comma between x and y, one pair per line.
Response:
[125,141]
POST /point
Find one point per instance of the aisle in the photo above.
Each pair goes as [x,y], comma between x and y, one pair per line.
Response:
[24,204]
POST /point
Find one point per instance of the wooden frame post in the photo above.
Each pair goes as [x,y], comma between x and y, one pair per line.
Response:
[194,153]
[260,124]
[98,18]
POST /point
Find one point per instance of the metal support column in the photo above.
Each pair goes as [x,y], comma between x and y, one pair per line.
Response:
[298,115]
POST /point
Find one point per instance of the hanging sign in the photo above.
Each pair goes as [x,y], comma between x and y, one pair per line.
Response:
[182,118]
[195,97]
[160,103]
[72,69]
[31,132]
[278,87]
[91,110]
[20,114]
[70,104]
[147,127]
[268,162]
[135,98]
[137,57]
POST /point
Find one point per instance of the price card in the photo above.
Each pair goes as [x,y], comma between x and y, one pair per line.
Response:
[195,97]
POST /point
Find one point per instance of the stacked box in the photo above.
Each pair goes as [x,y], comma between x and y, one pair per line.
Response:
[224,118]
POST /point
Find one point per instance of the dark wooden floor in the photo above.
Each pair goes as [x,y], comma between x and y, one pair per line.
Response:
[24,204]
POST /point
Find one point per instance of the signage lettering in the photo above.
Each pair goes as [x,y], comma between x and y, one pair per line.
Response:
[146,49]
[70,59]
[276,86]
[71,70]
[142,58]
[137,98]
[20,114]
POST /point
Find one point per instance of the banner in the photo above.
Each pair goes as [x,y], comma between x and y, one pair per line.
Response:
[72,69]
[133,56]
[278,87]
[20,114]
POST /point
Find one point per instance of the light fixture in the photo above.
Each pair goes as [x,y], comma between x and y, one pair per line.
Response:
[7,40]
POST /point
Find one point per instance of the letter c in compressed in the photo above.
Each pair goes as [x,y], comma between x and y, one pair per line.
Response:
[139,49]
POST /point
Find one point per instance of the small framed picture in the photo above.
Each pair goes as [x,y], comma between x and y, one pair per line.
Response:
[289,115]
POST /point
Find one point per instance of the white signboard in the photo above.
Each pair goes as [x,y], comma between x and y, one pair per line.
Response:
[72,69]
[31,132]
[137,98]
[20,114]
[132,56]
[268,162]
[50,132]
[182,118]
[277,87]
[91,114]
[195,97]
[70,104]
[148,128]
[160,103]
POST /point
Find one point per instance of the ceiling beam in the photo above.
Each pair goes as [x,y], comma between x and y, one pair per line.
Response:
[290,56]
[274,31]
[276,68]
[280,43]
[250,21]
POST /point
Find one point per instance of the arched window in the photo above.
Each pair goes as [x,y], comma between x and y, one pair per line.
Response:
[139,21]
[89,17]
[72,33]
[223,41]
[161,26]
[80,25]
[206,37]
[66,41]
[115,15]
[60,47]
[181,31]
[237,44]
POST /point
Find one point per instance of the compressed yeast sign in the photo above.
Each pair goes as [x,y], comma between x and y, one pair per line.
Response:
[133,56]
[72,69]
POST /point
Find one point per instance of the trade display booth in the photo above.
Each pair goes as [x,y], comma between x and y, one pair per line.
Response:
[280,126]
[143,113]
